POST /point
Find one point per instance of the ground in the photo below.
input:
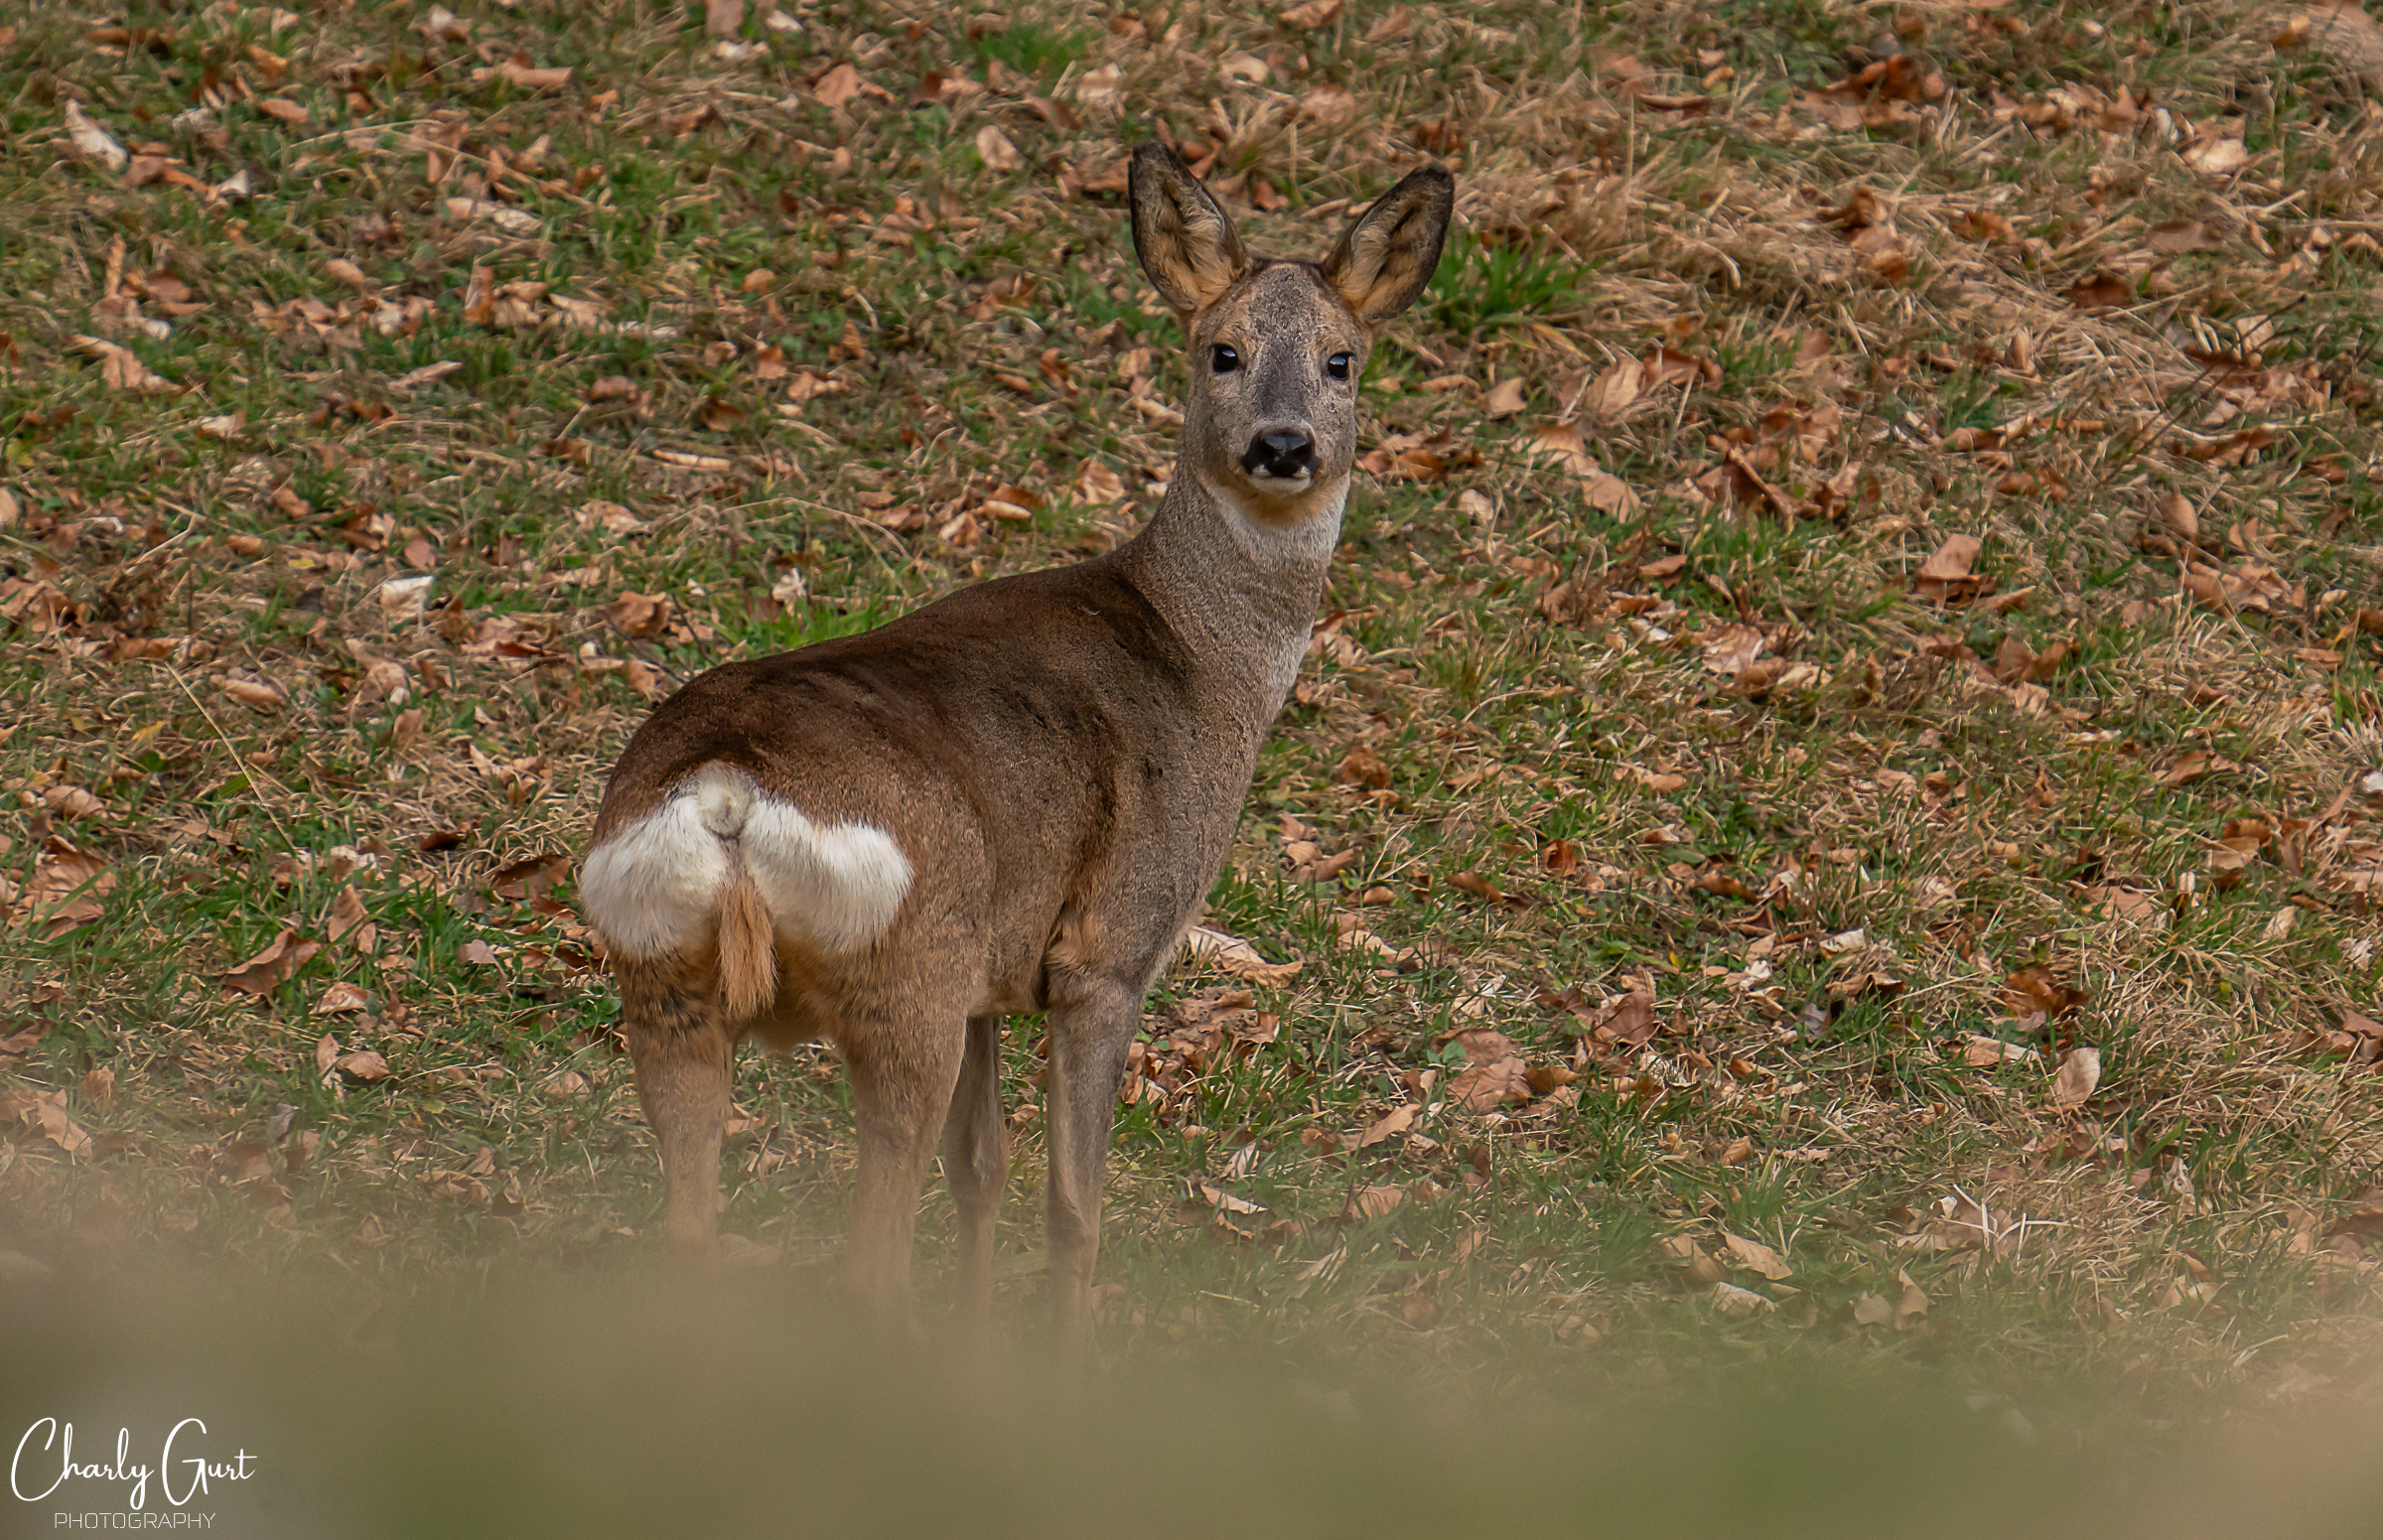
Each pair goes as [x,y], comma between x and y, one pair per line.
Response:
[1832,816]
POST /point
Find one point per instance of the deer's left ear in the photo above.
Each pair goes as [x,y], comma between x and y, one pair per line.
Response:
[1390,253]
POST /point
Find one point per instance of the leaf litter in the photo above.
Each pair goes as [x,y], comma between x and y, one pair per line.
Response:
[1660,504]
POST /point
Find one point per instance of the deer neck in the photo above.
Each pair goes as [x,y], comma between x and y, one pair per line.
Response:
[1241,589]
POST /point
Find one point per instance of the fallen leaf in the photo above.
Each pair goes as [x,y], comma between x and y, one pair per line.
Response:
[1980,1052]
[2080,1073]
[93,140]
[1731,1300]
[365,1065]
[639,615]
[1755,1255]
[121,370]
[1562,443]
[1504,399]
[2101,291]
[994,148]
[2035,992]
[1872,1309]
[1949,564]
[1478,886]
[1484,1087]
[1374,1203]
[256,693]
[2217,157]
[66,801]
[839,85]
[273,967]
[1231,954]
[1610,394]
[57,1127]
[1912,1301]
[1729,649]
[67,886]
[1099,486]
[342,999]
[2175,238]
[1327,106]
[532,77]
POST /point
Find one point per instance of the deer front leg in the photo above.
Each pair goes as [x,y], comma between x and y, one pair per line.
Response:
[976,1162]
[1089,1042]
[683,1058]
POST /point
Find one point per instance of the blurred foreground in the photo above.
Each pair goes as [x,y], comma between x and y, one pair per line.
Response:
[544,1406]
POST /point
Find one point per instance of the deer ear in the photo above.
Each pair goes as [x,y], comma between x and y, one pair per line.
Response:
[1390,253]
[1187,244]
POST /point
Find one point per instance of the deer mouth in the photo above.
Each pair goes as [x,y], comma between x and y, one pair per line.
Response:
[1274,484]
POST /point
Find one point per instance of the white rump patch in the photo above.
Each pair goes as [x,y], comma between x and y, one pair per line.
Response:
[652,888]
[836,885]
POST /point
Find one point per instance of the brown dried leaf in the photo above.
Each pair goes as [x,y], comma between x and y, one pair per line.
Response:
[1562,444]
[839,85]
[994,148]
[1753,1254]
[1231,954]
[2080,1073]
[122,369]
[1732,648]
[2035,992]
[347,913]
[273,967]
[342,999]
[639,615]
[365,1067]
[1483,1086]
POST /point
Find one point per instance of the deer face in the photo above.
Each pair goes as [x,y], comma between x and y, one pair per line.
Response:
[1272,414]
[1277,348]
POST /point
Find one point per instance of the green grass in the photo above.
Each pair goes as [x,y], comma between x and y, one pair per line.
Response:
[1544,707]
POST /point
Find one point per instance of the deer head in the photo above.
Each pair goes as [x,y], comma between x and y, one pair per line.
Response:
[1270,424]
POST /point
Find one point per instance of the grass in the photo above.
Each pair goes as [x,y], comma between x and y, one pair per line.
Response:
[680,330]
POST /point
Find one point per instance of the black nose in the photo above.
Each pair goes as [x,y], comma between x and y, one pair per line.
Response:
[1280,452]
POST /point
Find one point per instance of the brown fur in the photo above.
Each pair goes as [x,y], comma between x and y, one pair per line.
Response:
[748,949]
[1061,755]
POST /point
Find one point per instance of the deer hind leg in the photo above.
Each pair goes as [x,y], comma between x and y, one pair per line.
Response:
[902,1075]
[976,1162]
[1089,1040]
[684,1052]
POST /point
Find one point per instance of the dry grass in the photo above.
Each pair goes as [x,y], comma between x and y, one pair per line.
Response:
[1678,721]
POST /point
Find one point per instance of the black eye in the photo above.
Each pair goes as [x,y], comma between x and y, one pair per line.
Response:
[1223,360]
[1337,366]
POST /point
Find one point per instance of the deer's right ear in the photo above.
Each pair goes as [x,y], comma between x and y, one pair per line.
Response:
[1186,242]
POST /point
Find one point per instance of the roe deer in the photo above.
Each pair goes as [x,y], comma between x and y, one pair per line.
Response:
[1012,799]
